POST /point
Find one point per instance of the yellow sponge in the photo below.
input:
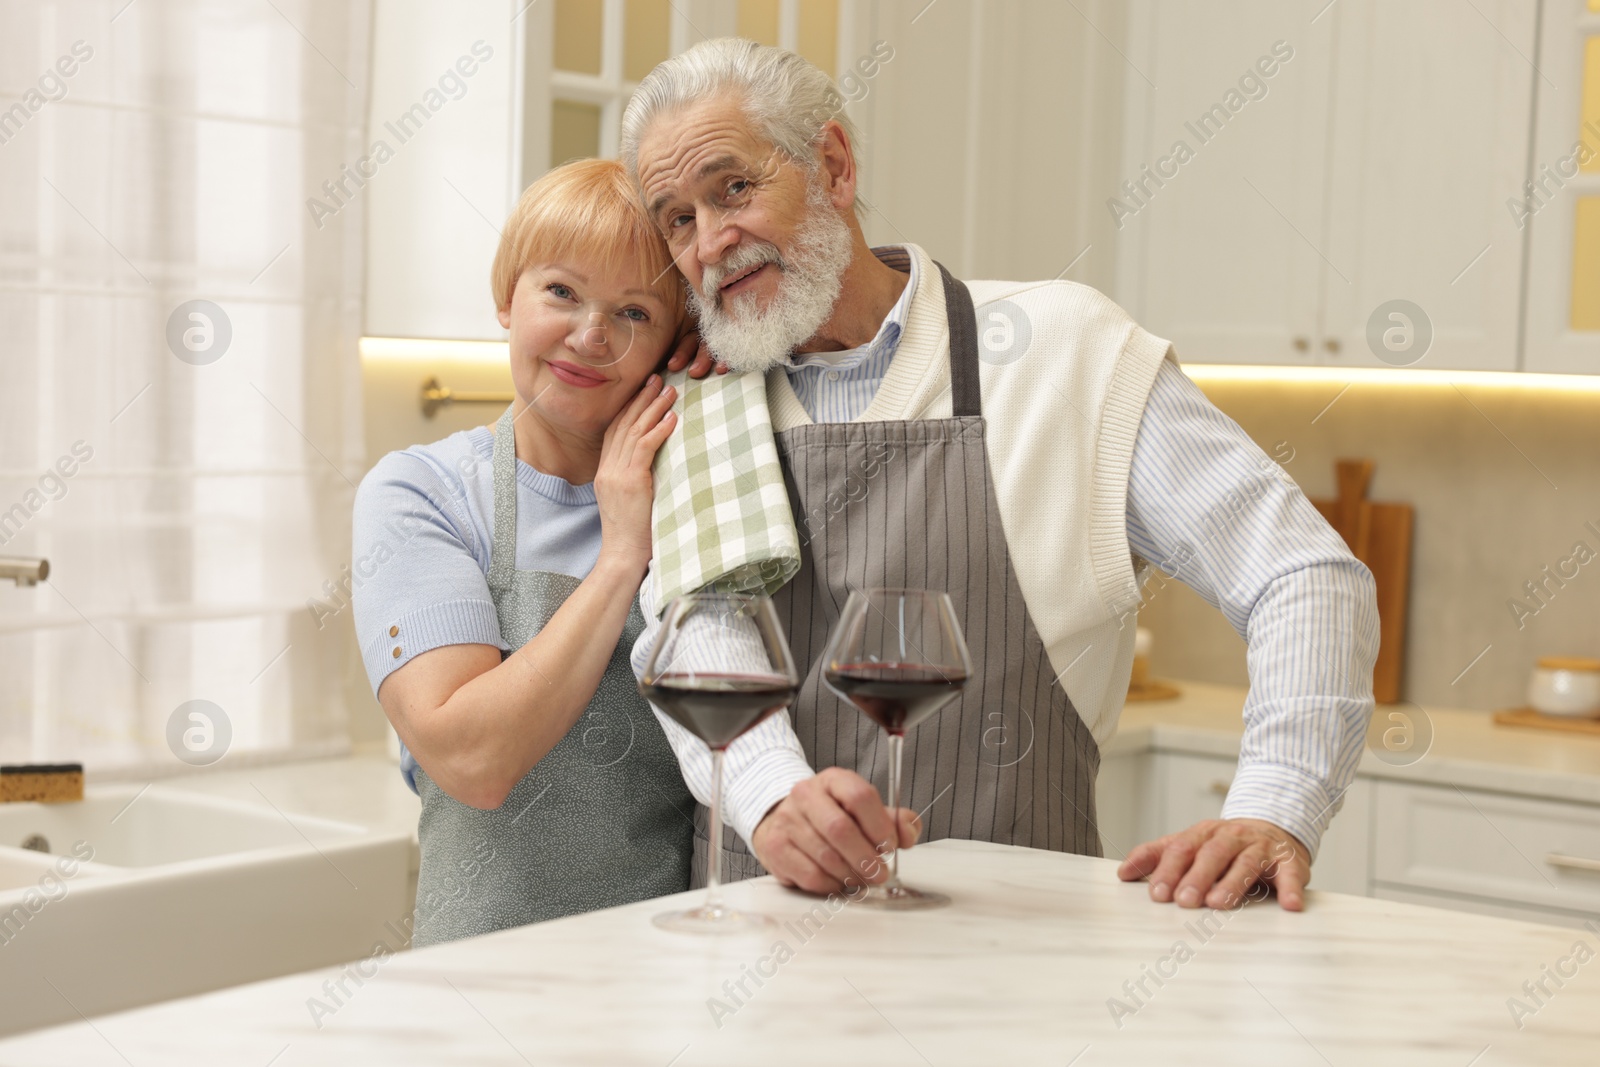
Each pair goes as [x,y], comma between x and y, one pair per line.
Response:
[49,782]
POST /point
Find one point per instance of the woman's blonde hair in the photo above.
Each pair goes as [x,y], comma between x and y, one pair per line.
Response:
[587,211]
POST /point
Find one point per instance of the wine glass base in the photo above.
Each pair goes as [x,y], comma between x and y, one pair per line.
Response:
[901,897]
[718,919]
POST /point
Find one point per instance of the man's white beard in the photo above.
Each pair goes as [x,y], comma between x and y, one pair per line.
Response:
[744,337]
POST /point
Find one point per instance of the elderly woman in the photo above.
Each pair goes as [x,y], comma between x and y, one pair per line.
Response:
[504,564]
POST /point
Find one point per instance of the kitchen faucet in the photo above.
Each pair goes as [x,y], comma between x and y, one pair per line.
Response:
[24,570]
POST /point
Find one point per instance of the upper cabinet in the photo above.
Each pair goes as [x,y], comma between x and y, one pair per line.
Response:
[1560,206]
[1431,110]
[1328,187]
[439,173]
[1221,212]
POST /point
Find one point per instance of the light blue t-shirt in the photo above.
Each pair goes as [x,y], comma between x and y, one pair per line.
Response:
[423,527]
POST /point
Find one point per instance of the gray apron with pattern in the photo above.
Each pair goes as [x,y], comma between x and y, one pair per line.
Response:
[602,819]
[911,503]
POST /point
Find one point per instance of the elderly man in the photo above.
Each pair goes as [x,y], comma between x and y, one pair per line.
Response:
[1032,480]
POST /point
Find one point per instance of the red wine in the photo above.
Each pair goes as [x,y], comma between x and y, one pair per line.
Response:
[717,708]
[896,696]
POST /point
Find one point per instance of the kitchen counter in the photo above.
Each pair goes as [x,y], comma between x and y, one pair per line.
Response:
[1028,966]
[1468,749]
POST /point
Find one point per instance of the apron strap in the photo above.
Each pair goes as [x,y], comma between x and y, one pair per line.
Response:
[965,396]
[503,553]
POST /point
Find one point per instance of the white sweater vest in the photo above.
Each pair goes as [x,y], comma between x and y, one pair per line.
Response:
[1062,418]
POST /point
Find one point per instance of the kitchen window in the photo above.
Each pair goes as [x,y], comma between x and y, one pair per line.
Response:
[586,57]
[184,446]
[1562,205]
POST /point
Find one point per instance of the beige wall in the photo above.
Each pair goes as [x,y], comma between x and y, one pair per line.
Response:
[391,390]
[991,138]
[1486,522]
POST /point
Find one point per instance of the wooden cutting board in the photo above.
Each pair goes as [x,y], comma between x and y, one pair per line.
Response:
[1540,721]
[1379,534]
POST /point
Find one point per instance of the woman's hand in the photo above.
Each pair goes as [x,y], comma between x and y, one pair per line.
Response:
[479,722]
[623,485]
[691,352]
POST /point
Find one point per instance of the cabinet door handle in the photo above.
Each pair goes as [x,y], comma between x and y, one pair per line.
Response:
[1302,344]
[1221,788]
[1331,344]
[1576,863]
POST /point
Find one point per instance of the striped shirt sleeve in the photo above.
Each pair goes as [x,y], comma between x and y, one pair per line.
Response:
[1206,505]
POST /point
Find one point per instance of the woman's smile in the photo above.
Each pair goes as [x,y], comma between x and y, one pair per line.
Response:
[574,374]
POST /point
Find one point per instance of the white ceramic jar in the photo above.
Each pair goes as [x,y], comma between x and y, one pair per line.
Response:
[1566,685]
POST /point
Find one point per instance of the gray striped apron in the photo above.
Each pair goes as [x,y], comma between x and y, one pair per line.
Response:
[911,503]
[602,819]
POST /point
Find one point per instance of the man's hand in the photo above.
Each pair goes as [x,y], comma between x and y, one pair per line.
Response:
[828,834]
[1217,861]
[691,352]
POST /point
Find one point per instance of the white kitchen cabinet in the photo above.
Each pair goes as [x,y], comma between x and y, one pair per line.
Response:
[1373,167]
[1119,802]
[1480,906]
[1501,849]
[436,204]
[1344,862]
[1429,133]
[1188,789]
[1220,252]
[1552,343]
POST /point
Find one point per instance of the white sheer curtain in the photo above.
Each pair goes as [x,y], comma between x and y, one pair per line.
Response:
[207,501]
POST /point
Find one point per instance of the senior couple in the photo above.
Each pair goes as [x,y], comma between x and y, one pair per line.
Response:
[1037,490]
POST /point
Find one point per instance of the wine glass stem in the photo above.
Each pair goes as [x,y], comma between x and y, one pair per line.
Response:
[714,862]
[896,746]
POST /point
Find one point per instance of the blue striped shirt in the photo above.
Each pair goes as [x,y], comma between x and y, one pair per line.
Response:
[1207,506]
[838,386]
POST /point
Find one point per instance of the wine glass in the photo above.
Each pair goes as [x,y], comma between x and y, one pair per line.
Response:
[720,665]
[898,656]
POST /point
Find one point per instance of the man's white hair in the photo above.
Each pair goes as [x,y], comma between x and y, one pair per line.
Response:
[788,98]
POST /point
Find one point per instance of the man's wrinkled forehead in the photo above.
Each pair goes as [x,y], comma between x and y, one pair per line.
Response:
[681,151]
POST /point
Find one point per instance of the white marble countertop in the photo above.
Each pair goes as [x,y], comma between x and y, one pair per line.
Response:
[1469,749]
[1022,969]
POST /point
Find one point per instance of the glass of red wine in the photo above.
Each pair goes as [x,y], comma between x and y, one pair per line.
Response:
[719,666]
[898,656]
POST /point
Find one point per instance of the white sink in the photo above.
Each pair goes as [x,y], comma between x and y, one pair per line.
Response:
[21,870]
[130,827]
[148,894]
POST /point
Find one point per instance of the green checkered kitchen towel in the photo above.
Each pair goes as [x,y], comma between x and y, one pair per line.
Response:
[722,520]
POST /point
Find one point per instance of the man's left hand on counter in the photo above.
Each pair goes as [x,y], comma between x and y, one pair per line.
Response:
[1216,862]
